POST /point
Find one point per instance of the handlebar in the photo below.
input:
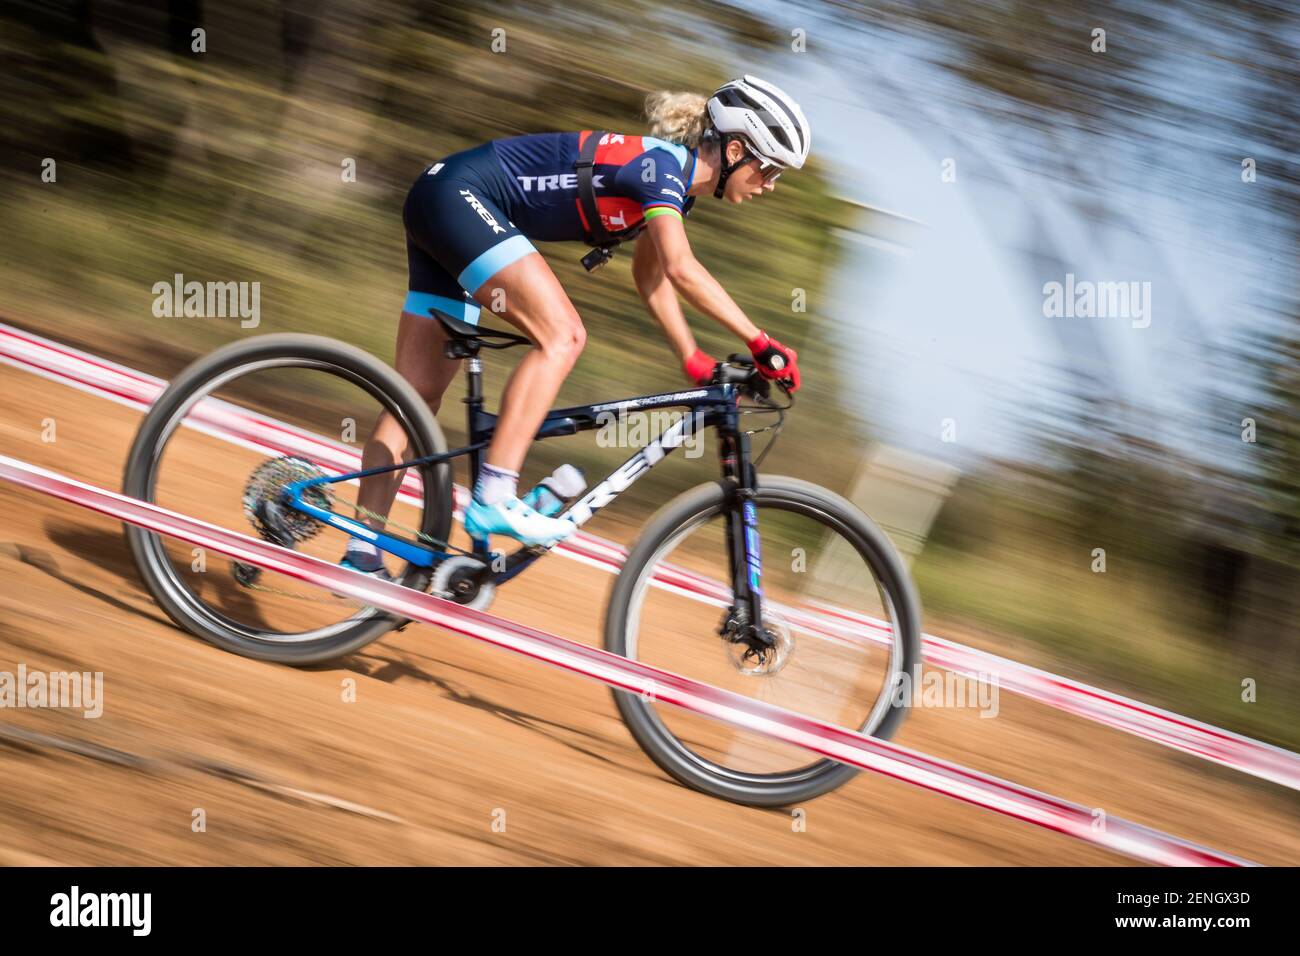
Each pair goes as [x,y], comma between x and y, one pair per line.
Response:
[740,370]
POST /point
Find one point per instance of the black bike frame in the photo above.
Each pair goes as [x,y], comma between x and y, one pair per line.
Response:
[713,406]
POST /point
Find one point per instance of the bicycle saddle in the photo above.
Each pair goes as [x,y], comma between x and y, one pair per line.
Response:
[474,337]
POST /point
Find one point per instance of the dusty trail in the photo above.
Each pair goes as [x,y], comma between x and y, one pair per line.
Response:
[447,737]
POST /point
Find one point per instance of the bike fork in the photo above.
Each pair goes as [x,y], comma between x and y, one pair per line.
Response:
[744,549]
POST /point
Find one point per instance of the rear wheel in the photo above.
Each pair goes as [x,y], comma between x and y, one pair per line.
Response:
[260,414]
[838,606]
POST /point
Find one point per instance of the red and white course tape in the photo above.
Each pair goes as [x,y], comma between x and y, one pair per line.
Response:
[867,753]
[232,423]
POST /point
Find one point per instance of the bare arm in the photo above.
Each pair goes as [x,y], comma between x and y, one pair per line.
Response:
[660,297]
[685,275]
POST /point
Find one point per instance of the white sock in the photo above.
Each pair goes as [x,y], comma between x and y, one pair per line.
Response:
[362,547]
[495,485]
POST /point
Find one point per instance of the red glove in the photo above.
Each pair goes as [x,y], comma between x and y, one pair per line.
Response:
[699,367]
[774,360]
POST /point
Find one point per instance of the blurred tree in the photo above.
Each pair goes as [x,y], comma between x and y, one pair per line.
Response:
[1228,530]
[62,96]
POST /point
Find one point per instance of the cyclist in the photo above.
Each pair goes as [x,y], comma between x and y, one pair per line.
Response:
[469,224]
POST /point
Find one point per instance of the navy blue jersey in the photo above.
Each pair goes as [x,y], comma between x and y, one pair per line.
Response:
[634,178]
[473,214]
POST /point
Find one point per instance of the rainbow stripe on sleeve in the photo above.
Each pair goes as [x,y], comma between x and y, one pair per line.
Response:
[658,209]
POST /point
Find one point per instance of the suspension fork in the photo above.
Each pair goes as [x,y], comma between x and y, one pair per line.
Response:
[744,551]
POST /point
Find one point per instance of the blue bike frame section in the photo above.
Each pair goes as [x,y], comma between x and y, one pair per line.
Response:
[753,550]
[416,554]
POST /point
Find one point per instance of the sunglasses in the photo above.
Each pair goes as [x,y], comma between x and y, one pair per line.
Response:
[770,171]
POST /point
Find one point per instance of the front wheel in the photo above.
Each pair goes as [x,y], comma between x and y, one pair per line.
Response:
[836,599]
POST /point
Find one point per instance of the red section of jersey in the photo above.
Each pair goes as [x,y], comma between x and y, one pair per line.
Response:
[619,213]
[617,149]
[616,212]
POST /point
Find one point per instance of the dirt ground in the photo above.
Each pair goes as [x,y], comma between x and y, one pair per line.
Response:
[457,753]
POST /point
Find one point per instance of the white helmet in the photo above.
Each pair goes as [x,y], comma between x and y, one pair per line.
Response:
[767,117]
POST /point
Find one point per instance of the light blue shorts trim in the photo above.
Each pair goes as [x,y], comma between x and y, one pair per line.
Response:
[419,303]
[493,261]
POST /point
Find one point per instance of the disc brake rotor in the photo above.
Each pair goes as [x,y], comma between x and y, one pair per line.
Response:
[758,660]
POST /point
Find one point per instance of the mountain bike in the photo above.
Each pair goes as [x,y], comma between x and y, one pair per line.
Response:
[766,585]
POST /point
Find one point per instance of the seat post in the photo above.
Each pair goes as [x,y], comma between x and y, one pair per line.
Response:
[474,382]
[473,409]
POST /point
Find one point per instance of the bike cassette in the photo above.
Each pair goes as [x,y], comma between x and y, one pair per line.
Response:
[464,580]
[270,518]
[263,508]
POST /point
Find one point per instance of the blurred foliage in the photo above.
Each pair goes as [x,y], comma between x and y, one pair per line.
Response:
[1208,547]
[1032,63]
[226,165]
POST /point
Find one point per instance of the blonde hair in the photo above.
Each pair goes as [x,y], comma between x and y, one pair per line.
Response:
[678,117]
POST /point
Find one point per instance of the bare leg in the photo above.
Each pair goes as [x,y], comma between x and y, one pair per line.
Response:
[537,305]
[419,360]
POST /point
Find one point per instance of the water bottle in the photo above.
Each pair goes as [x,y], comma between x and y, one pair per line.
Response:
[555,491]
